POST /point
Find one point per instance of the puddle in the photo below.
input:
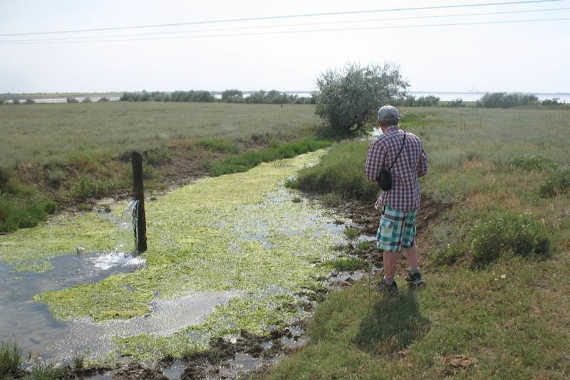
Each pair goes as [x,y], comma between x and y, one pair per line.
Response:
[167,317]
[33,328]
[175,370]
[30,324]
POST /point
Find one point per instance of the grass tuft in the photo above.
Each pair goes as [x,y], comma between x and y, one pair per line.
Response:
[557,183]
[10,359]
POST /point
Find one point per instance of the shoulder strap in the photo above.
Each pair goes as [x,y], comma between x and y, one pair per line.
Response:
[402,148]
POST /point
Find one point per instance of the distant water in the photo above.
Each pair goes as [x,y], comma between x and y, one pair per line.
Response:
[442,95]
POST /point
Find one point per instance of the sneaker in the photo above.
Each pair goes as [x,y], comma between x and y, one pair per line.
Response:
[390,289]
[415,279]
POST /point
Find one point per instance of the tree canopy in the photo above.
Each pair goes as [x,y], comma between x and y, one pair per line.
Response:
[349,96]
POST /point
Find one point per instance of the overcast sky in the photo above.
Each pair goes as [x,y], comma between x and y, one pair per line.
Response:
[267,54]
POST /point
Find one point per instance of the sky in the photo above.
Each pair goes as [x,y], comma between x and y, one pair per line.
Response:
[482,53]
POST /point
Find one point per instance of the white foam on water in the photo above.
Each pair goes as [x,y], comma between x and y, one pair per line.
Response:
[116,259]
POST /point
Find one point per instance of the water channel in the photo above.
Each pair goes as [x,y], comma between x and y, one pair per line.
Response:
[225,253]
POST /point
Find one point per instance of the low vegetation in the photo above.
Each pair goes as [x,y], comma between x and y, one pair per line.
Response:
[246,161]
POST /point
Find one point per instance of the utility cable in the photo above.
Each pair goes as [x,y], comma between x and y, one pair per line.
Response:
[248,19]
[187,32]
[409,26]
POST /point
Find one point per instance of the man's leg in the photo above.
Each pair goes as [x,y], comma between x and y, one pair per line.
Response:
[389,261]
[411,254]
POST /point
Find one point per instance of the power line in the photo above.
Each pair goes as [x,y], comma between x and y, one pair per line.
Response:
[410,26]
[187,32]
[247,19]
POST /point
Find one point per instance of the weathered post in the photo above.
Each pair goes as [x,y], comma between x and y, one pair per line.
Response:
[138,192]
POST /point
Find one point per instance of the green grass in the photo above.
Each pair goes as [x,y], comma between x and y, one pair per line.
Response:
[511,320]
[340,172]
[10,359]
[69,154]
[497,268]
[246,161]
[41,132]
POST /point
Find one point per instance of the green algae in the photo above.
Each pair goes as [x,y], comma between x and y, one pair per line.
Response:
[28,249]
[240,232]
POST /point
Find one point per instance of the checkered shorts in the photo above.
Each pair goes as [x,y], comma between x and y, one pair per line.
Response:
[397,230]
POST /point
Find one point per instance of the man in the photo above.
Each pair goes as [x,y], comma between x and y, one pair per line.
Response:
[397,230]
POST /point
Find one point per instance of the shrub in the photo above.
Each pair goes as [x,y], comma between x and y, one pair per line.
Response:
[232,96]
[88,187]
[506,232]
[340,171]
[157,156]
[86,99]
[10,360]
[506,100]
[456,103]
[351,95]
[552,102]
[557,183]
[30,101]
[103,100]
[221,146]
[427,101]
[4,178]
[72,100]
[533,163]
[55,177]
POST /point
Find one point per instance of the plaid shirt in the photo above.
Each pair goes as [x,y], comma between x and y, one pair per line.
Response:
[412,163]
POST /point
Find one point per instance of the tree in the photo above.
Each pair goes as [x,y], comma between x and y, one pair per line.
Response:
[351,95]
[232,96]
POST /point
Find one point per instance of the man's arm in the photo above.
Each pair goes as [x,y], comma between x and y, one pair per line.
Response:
[422,167]
[373,161]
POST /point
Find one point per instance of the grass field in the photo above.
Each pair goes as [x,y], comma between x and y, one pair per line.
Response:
[496,259]
[61,155]
[496,304]
[39,132]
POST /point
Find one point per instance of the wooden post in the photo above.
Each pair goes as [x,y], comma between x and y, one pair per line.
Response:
[138,193]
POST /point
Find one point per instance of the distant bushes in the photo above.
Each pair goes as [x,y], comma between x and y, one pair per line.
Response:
[506,100]
[552,102]
[422,101]
[456,103]
[228,96]
[340,172]
[176,96]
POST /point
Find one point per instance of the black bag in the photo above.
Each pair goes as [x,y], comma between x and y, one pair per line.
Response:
[385,177]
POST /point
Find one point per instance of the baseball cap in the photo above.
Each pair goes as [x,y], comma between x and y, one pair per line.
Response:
[388,114]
